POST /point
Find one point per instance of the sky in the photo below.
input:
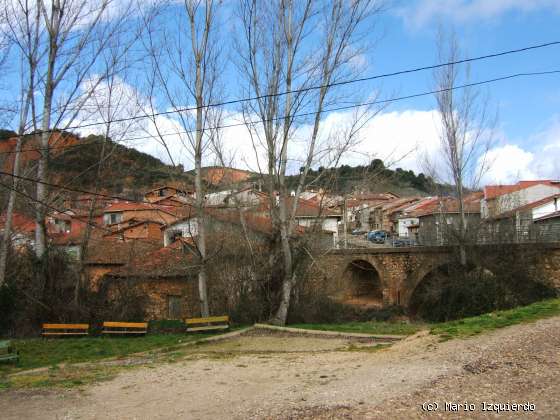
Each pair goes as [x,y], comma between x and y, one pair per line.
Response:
[526,136]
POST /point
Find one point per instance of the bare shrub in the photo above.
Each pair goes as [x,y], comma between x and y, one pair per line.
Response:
[30,298]
[495,277]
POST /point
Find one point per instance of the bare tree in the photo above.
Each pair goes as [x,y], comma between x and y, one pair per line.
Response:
[466,129]
[285,48]
[23,35]
[107,105]
[186,66]
[73,35]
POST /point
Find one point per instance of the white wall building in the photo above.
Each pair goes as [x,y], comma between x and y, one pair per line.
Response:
[182,228]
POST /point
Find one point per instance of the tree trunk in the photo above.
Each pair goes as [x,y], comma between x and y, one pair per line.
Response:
[42,168]
[201,243]
[289,277]
[6,239]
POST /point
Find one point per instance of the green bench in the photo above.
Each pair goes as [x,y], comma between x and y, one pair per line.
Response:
[7,352]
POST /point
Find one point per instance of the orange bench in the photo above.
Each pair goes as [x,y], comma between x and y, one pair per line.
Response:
[206,324]
[61,330]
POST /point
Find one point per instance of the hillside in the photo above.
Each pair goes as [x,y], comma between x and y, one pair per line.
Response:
[126,170]
[129,171]
[374,177]
[74,162]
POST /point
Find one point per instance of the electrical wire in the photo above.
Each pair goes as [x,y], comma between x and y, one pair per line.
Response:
[306,114]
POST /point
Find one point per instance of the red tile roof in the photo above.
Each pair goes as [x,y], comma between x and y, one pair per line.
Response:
[471,205]
[133,206]
[129,224]
[493,191]
[20,223]
[109,251]
[172,261]
[253,222]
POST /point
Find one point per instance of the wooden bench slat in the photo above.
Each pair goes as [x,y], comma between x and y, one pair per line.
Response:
[123,332]
[209,327]
[65,326]
[224,318]
[111,324]
[65,333]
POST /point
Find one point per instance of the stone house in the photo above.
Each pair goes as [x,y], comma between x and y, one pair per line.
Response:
[310,216]
[137,229]
[119,212]
[168,275]
[520,224]
[160,193]
[439,221]
[106,254]
[550,222]
[359,206]
[500,199]
[384,216]
[407,218]
[246,197]
[165,277]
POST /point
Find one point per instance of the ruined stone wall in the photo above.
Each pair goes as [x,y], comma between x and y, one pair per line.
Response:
[158,291]
[550,267]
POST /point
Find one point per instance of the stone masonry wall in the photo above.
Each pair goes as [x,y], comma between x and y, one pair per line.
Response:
[402,269]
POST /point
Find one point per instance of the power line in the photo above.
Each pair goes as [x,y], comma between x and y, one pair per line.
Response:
[52,207]
[299,115]
[341,108]
[345,82]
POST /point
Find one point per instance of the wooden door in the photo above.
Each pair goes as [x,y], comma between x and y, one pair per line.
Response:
[175,307]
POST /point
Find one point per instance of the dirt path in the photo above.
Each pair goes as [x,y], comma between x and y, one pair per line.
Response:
[292,377]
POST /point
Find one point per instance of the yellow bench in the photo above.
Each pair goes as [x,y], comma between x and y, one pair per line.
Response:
[207,324]
[60,330]
[125,328]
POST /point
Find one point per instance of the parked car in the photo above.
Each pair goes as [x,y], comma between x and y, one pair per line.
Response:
[400,242]
[378,236]
[359,232]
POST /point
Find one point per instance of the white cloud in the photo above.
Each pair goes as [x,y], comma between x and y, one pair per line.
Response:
[423,12]
[511,163]
[400,138]
[508,163]
[395,137]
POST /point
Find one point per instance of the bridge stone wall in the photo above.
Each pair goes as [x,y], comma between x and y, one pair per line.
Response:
[400,270]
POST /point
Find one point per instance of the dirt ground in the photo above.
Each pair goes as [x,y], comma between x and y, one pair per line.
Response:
[283,376]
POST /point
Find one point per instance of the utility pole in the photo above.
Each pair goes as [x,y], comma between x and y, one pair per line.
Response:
[344,217]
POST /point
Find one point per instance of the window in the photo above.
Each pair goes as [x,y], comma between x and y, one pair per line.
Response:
[174,235]
[115,218]
[174,307]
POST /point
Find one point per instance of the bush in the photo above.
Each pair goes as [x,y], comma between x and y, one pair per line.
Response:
[167,326]
[43,290]
[495,278]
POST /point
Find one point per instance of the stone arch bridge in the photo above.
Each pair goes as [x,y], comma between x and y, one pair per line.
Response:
[389,276]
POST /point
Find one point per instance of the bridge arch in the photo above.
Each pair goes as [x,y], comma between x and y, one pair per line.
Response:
[363,283]
[450,289]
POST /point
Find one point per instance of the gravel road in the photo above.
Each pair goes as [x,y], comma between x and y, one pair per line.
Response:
[310,377]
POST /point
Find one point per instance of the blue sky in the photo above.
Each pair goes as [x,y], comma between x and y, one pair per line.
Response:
[525,104]
[527,140]
[528,132]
